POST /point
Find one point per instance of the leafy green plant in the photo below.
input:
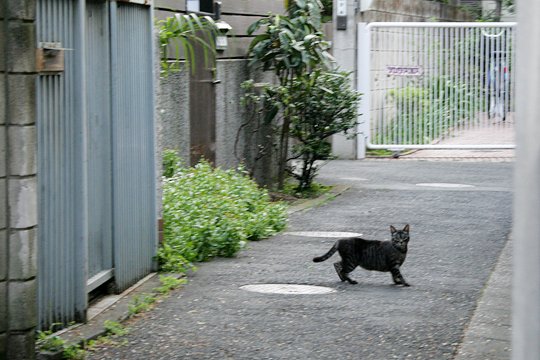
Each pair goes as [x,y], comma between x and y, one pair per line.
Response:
[74,352]
[289,45]
[114,328]
[327,9]
[169,283]
[184,33]
[321,104]
[141,303]
[46,341]
[209,212]
[171,163]
[314,190]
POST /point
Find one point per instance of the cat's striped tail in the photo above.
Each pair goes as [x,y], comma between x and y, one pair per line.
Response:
[327,255]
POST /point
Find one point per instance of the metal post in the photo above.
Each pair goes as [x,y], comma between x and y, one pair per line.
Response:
[526,290]
[81,248]
[344,51]
[364,87]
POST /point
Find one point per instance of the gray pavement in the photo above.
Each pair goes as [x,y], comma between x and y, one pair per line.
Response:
[458,234]
[498,132]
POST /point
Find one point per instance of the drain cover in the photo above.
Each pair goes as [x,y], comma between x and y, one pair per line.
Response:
[326,234]
[445,185]
[289,289]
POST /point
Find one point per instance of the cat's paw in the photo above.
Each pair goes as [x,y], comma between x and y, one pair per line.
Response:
[406,284]
[353,282]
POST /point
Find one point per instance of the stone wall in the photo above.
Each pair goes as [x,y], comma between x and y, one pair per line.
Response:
[18,199]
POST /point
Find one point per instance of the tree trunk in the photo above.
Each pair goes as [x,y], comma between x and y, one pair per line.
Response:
[498,10]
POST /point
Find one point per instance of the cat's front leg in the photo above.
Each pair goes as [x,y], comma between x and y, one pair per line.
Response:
[397,277]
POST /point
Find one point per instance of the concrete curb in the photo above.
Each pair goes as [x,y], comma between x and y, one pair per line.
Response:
[489,333]
[113,307]
[305,204]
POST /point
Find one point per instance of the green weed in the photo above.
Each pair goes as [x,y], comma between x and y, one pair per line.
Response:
[210,212]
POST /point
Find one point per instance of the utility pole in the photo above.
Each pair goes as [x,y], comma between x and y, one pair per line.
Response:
[526,287]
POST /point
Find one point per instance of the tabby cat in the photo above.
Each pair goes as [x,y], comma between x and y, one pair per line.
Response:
[371,255]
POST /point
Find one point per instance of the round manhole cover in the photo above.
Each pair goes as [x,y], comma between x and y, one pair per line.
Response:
[325,234]
[288,289]
[445,185]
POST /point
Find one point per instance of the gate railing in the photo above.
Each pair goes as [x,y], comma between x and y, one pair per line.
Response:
[424,83]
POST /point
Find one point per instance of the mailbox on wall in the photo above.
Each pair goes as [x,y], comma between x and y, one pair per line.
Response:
[341,13]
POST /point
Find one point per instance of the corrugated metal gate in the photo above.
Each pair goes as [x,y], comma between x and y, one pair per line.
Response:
[97,213]
[425,83]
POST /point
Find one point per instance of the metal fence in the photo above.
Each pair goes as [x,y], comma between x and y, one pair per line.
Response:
[61,233]
[424,83]
[97,203]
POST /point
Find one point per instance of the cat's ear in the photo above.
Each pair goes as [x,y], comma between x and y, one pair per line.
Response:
[406,228]
[392,229]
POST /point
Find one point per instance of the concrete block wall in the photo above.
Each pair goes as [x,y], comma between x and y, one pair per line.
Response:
[173,95]
[173,113]
[18,185]
[173,116]
[231,116]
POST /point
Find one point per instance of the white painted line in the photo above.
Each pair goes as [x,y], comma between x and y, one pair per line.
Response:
[445,185]
[325,234]
[353,179]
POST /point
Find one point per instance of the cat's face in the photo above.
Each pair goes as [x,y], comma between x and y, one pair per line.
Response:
[400,238]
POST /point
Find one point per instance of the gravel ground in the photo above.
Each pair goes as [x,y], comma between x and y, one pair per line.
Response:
[457,234]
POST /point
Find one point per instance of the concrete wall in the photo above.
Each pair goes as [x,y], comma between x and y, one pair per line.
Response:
[18,199]
[411,11]
[229,111]
[173,116]
[173,96]
[173,113]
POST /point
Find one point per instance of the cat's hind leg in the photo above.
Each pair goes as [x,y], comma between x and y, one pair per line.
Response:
[339,268]
[346,268]
[397,277]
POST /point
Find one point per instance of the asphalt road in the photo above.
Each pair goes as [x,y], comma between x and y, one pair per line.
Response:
[457,234]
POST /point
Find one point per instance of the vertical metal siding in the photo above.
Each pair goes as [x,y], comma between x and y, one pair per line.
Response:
[95,153]
[135,230]
[61,186]
[98,86]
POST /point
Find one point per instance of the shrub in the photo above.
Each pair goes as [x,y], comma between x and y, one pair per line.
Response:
[321,104]
[209,212]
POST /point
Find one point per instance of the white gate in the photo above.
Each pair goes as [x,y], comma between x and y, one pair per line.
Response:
[436,85]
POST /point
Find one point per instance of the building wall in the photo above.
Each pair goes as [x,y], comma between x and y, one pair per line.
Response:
[18,200]
[411,11]
[173,95]
[173,112]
